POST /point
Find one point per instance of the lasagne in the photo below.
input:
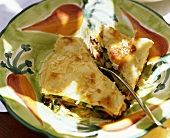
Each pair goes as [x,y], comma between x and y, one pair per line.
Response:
[71,82]
[126,55]
[70,79]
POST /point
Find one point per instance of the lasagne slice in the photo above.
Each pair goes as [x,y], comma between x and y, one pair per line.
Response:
[72,78]
[127,55]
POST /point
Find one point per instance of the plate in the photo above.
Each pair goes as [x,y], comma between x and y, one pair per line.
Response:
[38,26]
[148,1]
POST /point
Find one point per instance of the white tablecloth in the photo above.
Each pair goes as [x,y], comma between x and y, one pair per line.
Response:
[9,8]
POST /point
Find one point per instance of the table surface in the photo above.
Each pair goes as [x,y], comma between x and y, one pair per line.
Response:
[10,127]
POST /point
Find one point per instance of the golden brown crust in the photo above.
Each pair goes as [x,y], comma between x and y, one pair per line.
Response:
[71,72]
[129,54]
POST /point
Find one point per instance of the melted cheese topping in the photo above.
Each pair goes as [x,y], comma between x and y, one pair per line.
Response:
[128,55]
[71,72]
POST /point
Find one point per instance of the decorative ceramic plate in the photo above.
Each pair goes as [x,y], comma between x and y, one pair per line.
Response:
[147,1]
[29,38]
